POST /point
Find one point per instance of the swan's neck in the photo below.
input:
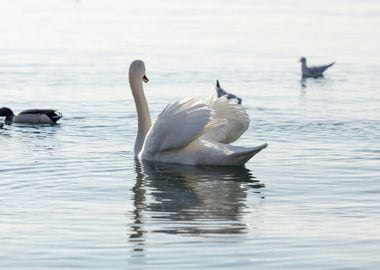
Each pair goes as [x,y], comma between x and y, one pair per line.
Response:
[143,115]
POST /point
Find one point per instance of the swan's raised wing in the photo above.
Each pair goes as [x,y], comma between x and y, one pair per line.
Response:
[178,125]
[233,119]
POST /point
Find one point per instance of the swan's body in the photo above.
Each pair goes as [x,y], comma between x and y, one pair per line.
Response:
[192,132]
[312,72]
[34,116]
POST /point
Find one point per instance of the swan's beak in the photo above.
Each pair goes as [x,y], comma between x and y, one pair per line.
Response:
[145,79]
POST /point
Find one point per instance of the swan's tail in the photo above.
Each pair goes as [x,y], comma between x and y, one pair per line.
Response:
[231,155]
[244,154]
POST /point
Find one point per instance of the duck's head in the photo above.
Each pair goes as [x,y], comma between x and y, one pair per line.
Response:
[137,70]
[302,60]
[8,113]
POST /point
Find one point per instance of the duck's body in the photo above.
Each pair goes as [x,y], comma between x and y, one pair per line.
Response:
[313,72]
[33,116]
[192,132]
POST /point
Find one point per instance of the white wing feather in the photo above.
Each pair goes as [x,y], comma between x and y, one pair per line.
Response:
[178,125]
[233,118]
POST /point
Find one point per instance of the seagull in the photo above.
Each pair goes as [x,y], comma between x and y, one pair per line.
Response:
[313,72]
[221,92]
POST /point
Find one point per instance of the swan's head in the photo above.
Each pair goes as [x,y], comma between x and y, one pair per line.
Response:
[302,60]
[137,70]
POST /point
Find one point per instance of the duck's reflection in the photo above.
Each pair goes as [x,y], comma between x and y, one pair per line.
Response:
[179,199]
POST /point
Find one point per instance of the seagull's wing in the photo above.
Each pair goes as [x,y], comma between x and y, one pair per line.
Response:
[178,125]
[232,120]
[319,69]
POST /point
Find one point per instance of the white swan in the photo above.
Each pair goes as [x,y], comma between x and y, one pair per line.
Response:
[192,132]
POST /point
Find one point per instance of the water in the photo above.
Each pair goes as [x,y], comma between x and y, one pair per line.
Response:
[73,197]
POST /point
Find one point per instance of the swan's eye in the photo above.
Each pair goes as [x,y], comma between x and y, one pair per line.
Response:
[145,79]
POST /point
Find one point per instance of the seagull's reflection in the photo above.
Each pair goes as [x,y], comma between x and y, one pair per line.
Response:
[178,199]
[303,83]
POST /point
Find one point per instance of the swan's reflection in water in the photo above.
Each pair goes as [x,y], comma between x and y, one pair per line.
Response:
[177,199]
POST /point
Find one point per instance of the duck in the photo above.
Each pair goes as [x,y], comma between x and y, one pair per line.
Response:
[313,72]
[31,116]
[189,131]
[221,92]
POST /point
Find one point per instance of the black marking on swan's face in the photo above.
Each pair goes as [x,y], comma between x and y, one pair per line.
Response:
[137,67]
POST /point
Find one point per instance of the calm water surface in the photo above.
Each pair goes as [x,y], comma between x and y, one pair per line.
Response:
[72,196]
